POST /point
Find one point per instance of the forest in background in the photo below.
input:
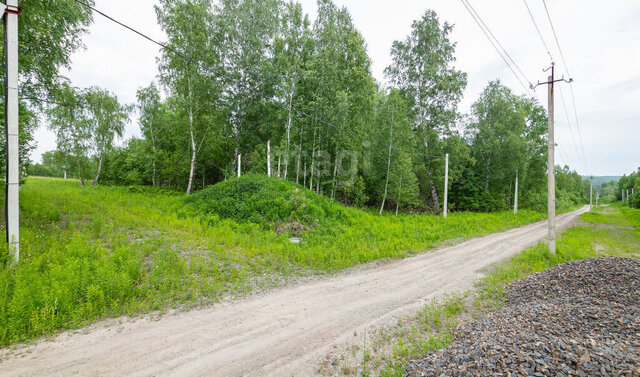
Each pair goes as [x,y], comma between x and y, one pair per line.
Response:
[238,75]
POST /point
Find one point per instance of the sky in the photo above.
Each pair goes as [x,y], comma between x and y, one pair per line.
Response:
[600,43]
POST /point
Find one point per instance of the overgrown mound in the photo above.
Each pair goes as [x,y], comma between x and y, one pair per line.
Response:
[270,202]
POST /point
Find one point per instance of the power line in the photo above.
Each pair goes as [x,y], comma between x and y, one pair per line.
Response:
[487,33]
[575,113]
[498,42]
[566,68]
[566,113]
[538,29]
[555,36]
[138,32]
[544,43]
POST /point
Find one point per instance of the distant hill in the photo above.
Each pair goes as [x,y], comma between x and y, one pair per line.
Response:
[598,180]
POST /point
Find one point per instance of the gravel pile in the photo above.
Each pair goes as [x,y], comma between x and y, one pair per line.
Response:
[580,318]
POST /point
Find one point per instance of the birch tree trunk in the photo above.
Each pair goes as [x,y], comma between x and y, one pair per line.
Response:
[386,184]
[290,108]
[95,180]
[313,154]
[300,153]
[193,141]
[434,192]
[399,192]
[486,181]
[153,160]
[80,173]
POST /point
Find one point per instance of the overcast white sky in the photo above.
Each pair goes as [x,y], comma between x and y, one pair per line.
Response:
[600,42]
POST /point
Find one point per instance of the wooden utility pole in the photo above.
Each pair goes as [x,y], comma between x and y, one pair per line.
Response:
[515,200]
[551,146]
[11,11]
[446,184]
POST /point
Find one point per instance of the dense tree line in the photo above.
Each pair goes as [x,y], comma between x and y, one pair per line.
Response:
[254,72]
[629,184]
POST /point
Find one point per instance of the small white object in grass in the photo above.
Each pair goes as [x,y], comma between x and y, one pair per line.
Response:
[295,239]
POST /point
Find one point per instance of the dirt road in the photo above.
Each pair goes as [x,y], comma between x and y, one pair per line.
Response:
[283,333]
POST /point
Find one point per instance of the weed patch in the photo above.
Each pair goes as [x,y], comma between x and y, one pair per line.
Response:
[92,253]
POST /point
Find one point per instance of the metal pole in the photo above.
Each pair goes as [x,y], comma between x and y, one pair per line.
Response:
[11,119]
[515,200]
[446,184]
[268,158]
[239,164]
[551,178]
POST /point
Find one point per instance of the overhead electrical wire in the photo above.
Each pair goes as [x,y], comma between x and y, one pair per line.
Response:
[566,68]
[538,30]
[506,53]
[487,32]
[566,113]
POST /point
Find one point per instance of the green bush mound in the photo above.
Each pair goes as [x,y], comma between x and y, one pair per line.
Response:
[270,202]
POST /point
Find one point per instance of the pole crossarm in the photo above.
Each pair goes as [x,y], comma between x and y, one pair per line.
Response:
[552,81]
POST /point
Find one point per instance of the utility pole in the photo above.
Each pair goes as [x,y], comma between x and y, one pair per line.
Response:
[597,197]
[551,177]
[515,200]
[446,184]
[591,194]
[268,158]
[11,11]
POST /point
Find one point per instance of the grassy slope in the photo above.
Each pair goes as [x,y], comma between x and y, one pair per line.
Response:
[107,251]
[434,327]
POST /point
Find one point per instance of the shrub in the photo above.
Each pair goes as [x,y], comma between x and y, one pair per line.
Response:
[269,202]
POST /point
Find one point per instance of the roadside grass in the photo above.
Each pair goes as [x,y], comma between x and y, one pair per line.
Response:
[103,252]
[389,349]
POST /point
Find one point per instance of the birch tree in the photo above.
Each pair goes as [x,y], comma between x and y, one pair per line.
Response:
[106,120]
[72,128]
[291,51]
[422,67]
[149,109]
[245,31]
[191,80]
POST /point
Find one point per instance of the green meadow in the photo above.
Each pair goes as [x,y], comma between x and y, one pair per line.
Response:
[91,253]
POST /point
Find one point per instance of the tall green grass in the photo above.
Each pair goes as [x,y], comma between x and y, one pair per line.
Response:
[108,251]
